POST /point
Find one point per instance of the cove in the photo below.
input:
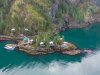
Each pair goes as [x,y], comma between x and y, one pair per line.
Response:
[88,38]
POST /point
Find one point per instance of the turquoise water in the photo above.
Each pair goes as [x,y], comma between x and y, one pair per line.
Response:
[19,63]
[88,38]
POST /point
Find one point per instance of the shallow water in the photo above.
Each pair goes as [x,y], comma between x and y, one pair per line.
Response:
[19,63]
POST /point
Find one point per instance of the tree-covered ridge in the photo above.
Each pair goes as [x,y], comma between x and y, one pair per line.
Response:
[4,9]
[25,14]
[79,12]
[39,15]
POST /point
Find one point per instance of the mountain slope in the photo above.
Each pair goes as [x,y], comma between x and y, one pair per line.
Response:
[44,15]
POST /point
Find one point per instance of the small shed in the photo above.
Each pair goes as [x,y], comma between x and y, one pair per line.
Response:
[26,39]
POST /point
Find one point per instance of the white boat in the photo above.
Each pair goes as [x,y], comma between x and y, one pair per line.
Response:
[10,46]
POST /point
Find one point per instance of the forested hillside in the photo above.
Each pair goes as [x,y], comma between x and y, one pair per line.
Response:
[44,16]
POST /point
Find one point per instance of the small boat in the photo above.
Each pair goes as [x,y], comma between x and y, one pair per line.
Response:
[10,46]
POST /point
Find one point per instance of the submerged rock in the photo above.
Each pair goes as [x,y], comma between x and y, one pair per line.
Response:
[71,52]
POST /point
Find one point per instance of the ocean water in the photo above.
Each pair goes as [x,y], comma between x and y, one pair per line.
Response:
[19,63]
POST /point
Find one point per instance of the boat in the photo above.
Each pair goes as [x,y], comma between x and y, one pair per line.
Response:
[10,46]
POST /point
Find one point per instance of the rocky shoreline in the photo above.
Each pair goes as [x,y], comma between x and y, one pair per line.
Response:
[44,51]
[73,24]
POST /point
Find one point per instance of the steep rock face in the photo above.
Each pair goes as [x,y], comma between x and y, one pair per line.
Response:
[54,8]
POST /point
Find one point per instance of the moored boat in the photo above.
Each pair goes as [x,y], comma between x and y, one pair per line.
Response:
[10,46]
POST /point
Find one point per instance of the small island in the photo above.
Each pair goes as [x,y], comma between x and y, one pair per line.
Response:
[36,46]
